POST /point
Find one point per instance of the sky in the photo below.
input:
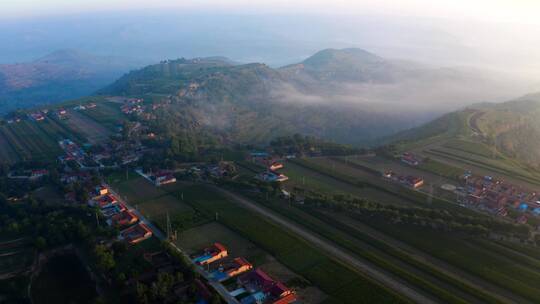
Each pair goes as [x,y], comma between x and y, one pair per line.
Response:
[521,11]
[498,34]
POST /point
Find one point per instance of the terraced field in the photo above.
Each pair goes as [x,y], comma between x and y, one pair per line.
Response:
[107,114]
[30,141]
[7,152]
[91,130]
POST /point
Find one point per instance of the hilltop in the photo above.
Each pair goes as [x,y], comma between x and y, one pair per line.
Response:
[60,75]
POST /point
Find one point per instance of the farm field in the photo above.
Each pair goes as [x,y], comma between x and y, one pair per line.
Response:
[196,230]
[499,267]
[339,282]
[431,174]
[7,153]
[305,178]
[350,173]
[107,114]
[29,141]
[485,167]
[155,202]
[93,131]
[450,289]
[488,264]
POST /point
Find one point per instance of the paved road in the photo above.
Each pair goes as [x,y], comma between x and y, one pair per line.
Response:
[330,248]
[224,293]
[450,270]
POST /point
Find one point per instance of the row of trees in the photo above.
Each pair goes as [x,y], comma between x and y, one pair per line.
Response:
[438,219]
[305,145]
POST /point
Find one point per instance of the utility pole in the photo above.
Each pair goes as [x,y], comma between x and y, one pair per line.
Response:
[169,227]
[97,219]
[217,216]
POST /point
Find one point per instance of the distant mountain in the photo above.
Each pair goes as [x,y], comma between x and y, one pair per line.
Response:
[347,65]
[511,128]
[347,95]
[58,76]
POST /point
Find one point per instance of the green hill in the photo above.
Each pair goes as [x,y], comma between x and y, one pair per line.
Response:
[254,102]
[502,138]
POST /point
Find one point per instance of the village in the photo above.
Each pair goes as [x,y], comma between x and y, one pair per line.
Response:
[113,176]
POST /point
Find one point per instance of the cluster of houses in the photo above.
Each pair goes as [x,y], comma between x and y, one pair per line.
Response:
[72,151]
[118,215]
[272,165]
[109,155]
[410,181]
[496,196]
[132,106]
[410,159]
[252,286]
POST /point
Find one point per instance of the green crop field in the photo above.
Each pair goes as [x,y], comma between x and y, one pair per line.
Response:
[305,178]
[155,202]
[425,277]
[353,174]
[8,153]
[107,114]
[471,147]
[330,276]
[487,264]
[441,169]
[30,141]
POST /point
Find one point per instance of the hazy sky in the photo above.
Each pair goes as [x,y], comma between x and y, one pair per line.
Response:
[498,34]
[522,11]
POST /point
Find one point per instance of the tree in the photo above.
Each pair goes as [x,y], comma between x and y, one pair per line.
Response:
[40,243]
[104,258]
[142,293]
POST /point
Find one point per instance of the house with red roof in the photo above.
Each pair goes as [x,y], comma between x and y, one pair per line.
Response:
[275,166]
[231,269]
[136,233]
[164,178]
[211,254]
[124,218]
[103,201]
[36,174]
[264,289]
[410,159]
